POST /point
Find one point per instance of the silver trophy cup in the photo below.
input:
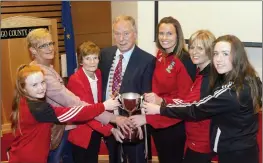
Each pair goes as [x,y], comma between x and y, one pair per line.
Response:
[130,103]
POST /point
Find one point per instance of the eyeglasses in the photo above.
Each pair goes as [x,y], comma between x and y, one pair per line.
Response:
[46,45]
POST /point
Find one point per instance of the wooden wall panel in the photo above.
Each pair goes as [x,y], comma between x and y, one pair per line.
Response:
[92,21]
[101,39]
[29,3]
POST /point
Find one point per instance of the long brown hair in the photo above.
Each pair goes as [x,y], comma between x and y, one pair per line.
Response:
[242,71]
[180,42]
[22,73]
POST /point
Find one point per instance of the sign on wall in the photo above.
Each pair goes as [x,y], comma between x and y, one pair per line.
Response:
[9,33]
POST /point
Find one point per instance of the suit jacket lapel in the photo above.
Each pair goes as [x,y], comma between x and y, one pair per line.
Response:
[130,69]
[108,61]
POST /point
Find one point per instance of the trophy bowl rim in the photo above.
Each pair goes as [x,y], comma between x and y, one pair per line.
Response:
[130,96]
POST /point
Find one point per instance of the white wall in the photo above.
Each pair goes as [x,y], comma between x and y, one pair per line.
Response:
[143,12]
[240,18]
[146,26]
[255,57]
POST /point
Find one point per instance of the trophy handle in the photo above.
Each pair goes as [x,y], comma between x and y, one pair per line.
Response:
[141,100]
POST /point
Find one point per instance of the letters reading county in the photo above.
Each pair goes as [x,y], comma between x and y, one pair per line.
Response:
[21,32]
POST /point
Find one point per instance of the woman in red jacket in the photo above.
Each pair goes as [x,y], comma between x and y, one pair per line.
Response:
[32,117]
[86,84]
[173,77]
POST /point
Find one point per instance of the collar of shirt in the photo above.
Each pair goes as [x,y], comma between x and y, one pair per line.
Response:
[126,55]
[89,78]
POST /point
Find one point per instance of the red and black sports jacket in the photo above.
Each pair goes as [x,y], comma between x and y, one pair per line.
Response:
[171,83]
[197,133]
[32,138]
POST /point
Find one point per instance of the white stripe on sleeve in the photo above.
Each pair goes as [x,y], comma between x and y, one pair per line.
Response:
[70,113]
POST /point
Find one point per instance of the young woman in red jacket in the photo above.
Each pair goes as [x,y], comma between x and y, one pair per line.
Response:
[173,77]
[32,117]
[86,84]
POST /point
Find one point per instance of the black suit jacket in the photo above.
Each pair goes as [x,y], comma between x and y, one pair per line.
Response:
[138,74]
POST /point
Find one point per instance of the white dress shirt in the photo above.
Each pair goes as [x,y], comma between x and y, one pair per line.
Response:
[93,86]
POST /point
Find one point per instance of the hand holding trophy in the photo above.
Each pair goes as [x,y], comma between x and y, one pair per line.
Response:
[131,104]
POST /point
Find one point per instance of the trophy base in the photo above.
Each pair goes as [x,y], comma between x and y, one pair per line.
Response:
[131,137]
[131,141]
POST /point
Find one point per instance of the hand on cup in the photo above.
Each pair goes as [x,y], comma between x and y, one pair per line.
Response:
[152,98]
[138,120]
[111,104]
[117,134]
[150,108]
[124,123]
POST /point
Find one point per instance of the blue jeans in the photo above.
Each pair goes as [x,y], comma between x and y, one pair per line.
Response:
[63,151]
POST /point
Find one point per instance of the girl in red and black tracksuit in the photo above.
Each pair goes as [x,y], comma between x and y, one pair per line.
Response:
[173,77]
[32,118]
[232,106]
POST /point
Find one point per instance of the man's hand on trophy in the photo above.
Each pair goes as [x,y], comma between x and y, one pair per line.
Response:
[140,133]
[117,134]
[111,104]
[124,123]
[152,98]
[138,120]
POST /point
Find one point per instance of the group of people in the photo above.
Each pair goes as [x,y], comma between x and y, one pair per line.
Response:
[199,100]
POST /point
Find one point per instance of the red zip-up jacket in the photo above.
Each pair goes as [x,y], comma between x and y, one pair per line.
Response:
[80,86]
[33,136]
[197,133]
[170,84]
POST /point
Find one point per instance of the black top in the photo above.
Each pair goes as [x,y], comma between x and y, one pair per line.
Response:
[234,124]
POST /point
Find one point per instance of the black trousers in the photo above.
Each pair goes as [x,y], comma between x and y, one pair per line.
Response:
[169,143]
[132,152]
[250,155]
[196,157]
[89,155]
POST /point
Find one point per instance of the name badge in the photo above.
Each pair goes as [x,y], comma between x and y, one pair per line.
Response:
[170,67]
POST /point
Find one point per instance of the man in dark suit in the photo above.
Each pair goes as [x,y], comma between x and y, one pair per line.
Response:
[136,76]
